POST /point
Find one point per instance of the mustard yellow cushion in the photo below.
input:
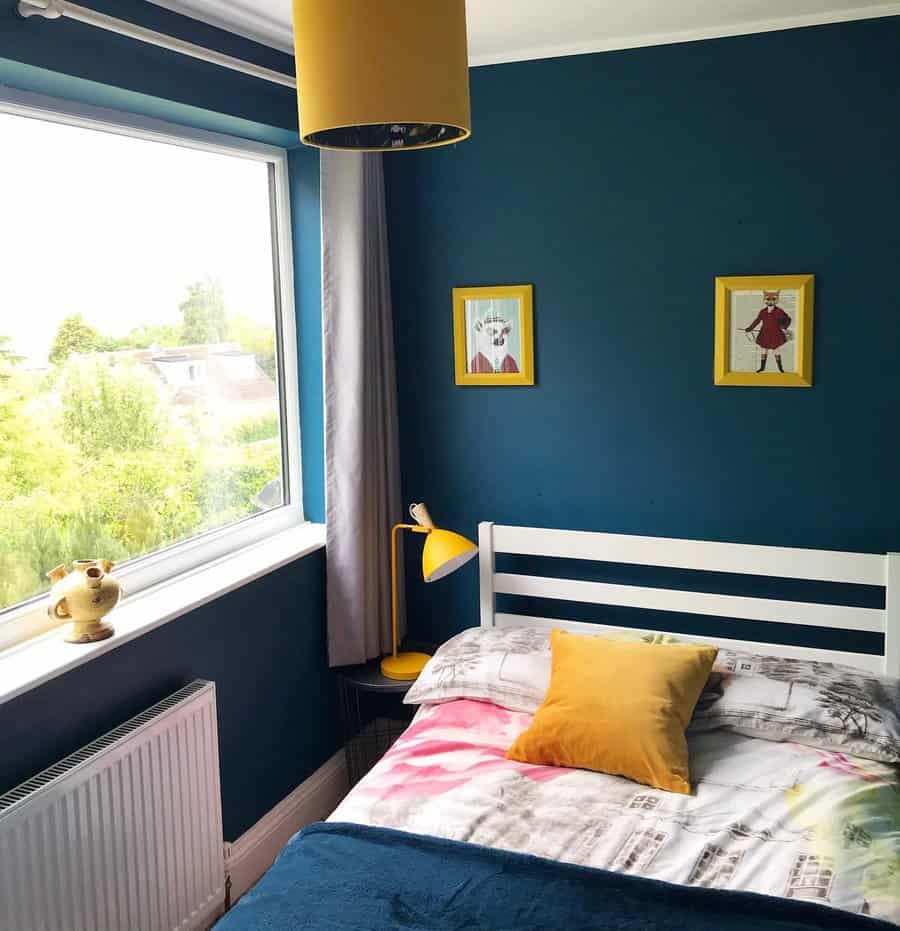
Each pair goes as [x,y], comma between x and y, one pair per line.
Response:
[618,707]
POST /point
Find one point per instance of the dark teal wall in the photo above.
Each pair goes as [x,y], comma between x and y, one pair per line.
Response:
[620,185]
[264,645]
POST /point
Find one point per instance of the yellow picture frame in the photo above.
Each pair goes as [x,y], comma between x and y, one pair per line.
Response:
[726,329]
[507,356]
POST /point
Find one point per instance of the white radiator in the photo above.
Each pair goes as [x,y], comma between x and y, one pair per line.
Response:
[125,834]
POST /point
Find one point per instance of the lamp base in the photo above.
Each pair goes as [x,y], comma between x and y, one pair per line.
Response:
[404,666]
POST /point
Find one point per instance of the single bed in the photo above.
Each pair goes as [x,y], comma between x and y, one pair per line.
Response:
[776,834]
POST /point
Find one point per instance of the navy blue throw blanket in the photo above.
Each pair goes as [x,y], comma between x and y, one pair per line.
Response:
[349,877]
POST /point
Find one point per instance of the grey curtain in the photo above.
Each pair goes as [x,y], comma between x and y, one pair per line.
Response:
[362,467]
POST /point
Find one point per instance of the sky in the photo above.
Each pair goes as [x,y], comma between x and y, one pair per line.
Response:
[116,228]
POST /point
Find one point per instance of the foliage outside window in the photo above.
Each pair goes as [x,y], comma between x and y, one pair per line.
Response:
[140,397]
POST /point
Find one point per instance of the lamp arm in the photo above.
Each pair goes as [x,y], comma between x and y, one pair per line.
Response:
[394,622]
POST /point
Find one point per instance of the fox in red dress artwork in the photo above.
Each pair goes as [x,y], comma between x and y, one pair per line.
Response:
[773,323]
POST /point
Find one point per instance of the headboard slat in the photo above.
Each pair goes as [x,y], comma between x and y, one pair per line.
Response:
[892,615]
[870,620]
[871,662]
[747,559]
[744,558]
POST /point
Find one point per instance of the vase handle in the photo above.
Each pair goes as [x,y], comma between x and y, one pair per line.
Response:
[59,609]
[58,573]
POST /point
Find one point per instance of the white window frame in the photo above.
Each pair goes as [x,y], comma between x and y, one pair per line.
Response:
[29,618]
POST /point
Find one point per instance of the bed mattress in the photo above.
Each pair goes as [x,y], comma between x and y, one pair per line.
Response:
[774,818]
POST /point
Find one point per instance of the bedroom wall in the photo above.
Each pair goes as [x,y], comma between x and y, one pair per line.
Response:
[263,645]
[276,697]
[620,185]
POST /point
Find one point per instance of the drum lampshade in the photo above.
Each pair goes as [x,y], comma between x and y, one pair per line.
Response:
[382,75]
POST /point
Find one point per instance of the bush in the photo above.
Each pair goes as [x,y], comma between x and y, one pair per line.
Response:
[254,429]
[93,463]
[110,408]
[230,485]
[36,536]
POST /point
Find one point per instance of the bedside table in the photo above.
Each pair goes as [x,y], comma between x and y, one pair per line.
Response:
[372,713]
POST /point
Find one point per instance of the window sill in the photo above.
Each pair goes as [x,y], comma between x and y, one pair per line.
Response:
[36,661]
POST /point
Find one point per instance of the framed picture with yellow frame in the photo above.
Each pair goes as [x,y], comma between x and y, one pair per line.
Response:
[493,335]
[764,331]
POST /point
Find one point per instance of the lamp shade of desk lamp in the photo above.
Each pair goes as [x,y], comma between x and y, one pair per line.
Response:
[444,552]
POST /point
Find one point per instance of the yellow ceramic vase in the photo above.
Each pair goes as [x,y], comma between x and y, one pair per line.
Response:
[85,595]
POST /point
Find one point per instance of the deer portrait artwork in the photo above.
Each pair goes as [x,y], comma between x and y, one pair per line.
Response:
[492,346]
[493,336]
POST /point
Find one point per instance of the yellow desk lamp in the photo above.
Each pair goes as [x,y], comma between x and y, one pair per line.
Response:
[444,552]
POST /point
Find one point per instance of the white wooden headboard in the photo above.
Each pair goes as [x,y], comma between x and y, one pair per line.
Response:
[768,561]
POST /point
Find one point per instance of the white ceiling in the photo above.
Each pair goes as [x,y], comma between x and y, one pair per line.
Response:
[513,30]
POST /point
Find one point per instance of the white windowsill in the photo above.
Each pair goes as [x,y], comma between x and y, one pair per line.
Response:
[36,661]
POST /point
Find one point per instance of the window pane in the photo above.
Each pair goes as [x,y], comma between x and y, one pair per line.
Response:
[139,396]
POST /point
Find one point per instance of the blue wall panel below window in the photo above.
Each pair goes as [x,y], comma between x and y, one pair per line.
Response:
[264,644]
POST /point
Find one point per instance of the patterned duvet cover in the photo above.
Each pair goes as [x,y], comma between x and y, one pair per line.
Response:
[775,818]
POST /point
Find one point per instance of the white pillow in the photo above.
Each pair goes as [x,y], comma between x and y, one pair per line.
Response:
[507,666]
[816,703]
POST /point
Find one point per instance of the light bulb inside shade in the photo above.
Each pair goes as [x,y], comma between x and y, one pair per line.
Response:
[444,552]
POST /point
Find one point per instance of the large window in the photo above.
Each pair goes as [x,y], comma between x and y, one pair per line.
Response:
[147,370]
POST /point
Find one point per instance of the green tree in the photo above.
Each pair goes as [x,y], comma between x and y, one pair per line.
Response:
[147,336]
[254,429]
[233,477]
[163,335]
[108,406]
[93,462]
[12,437]
[148,497]
[74,335]
[8,359]
[40,536]
[31,455]
[203,314]
[253,337]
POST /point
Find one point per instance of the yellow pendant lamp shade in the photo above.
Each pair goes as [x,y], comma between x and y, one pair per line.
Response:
[381,75]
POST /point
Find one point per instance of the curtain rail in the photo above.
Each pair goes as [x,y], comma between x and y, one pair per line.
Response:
[54,9]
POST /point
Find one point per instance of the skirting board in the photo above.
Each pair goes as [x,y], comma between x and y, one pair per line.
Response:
[247,858]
